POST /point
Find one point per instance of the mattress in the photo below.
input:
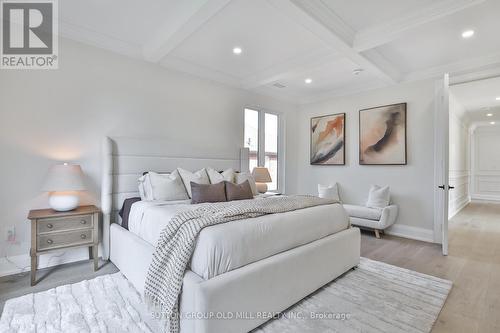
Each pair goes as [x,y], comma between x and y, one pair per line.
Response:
[224,247]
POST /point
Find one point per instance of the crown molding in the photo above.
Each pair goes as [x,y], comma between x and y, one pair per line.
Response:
[342,92]
[182,65]
[99,40]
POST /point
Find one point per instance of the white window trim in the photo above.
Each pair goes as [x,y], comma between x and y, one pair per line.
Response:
[261,146]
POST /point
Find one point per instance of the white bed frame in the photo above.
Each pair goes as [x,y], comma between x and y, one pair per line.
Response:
[244,296]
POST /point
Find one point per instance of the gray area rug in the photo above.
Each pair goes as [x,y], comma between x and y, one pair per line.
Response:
[375,297]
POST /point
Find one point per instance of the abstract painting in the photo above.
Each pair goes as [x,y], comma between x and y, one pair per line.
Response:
[382,135]
[328,140]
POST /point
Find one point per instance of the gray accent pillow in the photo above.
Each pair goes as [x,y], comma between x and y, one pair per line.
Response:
[241,191]
[201,193]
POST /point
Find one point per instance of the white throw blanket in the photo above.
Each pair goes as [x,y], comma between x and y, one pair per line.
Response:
[177,242]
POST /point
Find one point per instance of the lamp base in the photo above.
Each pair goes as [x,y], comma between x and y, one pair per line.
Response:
[261,187]
[63,201]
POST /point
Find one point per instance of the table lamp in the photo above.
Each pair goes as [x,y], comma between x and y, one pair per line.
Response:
[262,177]
[63,183]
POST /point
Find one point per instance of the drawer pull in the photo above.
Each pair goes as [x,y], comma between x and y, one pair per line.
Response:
[83,236]
[49,226]
[83,222]
[50,241]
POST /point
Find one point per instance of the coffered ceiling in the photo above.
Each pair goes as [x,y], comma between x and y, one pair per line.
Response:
[285,42]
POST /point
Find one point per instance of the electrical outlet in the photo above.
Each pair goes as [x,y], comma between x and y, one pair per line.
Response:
[11,234]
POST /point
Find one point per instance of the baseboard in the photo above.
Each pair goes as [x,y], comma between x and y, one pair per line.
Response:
[22,263]
[485,197]
[406,231]
[460,207]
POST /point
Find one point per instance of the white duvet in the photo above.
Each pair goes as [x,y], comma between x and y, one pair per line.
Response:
[224,247]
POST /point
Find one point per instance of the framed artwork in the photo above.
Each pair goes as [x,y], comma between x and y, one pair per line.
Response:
[382,135]
[328,140]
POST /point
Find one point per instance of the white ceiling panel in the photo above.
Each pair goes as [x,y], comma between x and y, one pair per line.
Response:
[439,43]
[337,74]
[361,14]
[266,37]
[126,20]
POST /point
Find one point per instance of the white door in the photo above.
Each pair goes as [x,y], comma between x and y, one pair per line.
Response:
[442,185]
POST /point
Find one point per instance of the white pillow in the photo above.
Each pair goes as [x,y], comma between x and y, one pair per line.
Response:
[217,177]
[329,191]
[242,176]
[200,177]
[145,189]
[167,187]
[378,197]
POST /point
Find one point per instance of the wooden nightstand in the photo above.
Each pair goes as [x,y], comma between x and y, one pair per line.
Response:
[51,230]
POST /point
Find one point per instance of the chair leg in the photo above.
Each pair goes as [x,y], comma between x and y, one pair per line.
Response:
[377,234]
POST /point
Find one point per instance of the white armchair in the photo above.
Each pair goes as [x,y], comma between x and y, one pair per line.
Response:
[377,219]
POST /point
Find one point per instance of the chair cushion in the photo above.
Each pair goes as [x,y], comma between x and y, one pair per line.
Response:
[363,212]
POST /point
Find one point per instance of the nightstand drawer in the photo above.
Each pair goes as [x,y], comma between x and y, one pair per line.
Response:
[63,239]
[64,223]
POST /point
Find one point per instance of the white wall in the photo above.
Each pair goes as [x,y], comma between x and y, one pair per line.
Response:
[459,158]
[486,163]
[62,115]
[412,186]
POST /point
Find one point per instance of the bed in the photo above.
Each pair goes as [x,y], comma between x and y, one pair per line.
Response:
[240,273]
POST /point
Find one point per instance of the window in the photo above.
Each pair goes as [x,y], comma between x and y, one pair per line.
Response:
[262,137]
[252,135]
[271,149]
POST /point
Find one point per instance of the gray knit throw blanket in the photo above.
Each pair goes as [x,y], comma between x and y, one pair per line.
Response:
[177,242]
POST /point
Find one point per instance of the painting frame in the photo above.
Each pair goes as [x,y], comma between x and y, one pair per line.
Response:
[360,133]
[343,162]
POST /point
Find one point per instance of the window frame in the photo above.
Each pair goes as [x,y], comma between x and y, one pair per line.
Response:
[261,152]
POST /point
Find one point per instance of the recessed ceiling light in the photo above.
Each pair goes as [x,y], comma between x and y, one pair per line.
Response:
[493,123]
[498,98]
[308,80]
[237,50]
[489,115]
[468,33]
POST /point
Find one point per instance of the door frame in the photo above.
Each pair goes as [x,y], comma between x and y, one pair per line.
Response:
[441,162]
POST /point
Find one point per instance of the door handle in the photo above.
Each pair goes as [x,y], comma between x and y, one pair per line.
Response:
[451,187]
[441,187]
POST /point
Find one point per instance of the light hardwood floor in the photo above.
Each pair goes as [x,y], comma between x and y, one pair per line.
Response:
[473,264]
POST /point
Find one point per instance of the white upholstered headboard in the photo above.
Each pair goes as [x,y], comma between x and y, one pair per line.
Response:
[125,159]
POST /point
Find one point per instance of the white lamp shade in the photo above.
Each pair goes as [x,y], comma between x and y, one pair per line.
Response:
[64,177]
[261,175]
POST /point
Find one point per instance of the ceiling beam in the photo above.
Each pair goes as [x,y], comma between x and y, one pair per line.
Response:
[388,31]
[191,16]
[319,19]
